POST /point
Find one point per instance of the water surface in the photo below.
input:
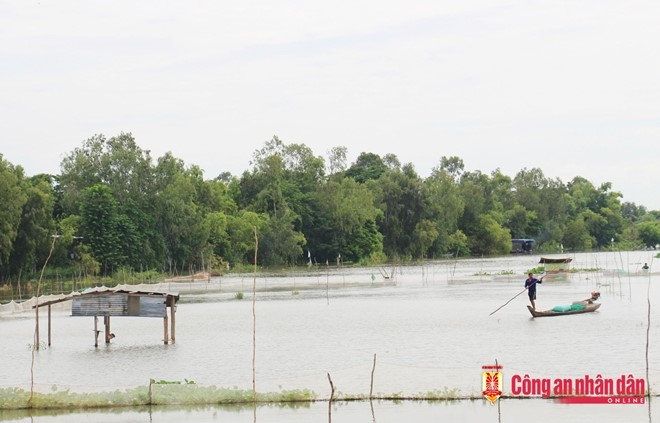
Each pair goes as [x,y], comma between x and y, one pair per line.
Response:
[429,328]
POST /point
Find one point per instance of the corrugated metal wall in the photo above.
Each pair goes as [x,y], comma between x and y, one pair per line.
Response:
[152,307]
[119,304]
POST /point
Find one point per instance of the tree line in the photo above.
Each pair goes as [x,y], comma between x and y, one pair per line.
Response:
[113,207]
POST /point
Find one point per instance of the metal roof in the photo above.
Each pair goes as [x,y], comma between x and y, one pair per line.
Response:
[103,290]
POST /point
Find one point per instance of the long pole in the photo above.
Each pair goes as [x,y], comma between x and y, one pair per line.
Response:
[254,327]
[512,298]
[36,310]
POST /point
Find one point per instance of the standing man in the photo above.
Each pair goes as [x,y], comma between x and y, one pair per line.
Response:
[530,286]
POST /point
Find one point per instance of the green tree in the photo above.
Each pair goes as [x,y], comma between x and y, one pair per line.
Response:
[529,186]
[240,229]
[344,222]
[520,221]
[473,189]
[489,237]
[100,226]
[649,233]
[337,161]
[32,242]
[13,198]
[576,236]
[280,243]
[121,165]
[181,223]
[217,226]
[453,166]
[399,195]
[443,206]
[368,166]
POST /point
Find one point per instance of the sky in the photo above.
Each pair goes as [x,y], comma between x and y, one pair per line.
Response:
[569,87]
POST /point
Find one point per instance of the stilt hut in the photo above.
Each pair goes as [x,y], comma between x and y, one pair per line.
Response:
[556,268]
[119,301]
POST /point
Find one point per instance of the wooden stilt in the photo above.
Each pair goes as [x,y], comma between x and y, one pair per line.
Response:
[106,320]
[166,334]
[49,325]
[96,331]
[173,316]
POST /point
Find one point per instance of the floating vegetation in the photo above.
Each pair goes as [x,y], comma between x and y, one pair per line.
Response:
[184,393]
[40,346]
[238,296]
[172,382]
[158,393]
[187,393]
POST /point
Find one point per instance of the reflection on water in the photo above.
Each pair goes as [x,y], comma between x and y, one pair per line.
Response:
[509,411]
[429,326]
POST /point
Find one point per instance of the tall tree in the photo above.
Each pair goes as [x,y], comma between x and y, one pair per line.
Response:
[280,243]
[32,242]
[100,226]
[368,166]
[181,223]
[13,198]
[337,161]
[443,206]
[399,195]
[344,222]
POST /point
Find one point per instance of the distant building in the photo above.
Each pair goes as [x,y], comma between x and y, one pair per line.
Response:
[521,246]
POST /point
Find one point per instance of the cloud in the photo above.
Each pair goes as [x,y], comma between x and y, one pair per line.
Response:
[569,86]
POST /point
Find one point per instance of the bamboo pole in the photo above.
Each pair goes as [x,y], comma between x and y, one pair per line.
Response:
[254,329]
[49,324]
[332,396]
[371,389]
[36,327]
[254,323]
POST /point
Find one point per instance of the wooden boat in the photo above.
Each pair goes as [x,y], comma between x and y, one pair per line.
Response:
[588,308]
[578,307]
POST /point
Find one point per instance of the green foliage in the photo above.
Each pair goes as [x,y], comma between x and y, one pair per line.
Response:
[100,226]
[490,238]
[344,222]
[13,198]
[368,166]
[118,213]
[649,233]
[457,245]
[577,236]
[280,243]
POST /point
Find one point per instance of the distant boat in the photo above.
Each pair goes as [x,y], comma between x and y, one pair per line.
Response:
[556,268]
[521,246]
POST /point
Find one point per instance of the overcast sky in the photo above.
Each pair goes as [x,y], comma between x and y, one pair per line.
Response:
[570,87]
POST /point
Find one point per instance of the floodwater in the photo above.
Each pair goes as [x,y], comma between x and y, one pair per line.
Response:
[429,328]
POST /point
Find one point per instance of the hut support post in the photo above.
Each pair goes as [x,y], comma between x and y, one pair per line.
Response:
[96,331]
[166,335]
[49,325]
[106,321]
[173,317]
